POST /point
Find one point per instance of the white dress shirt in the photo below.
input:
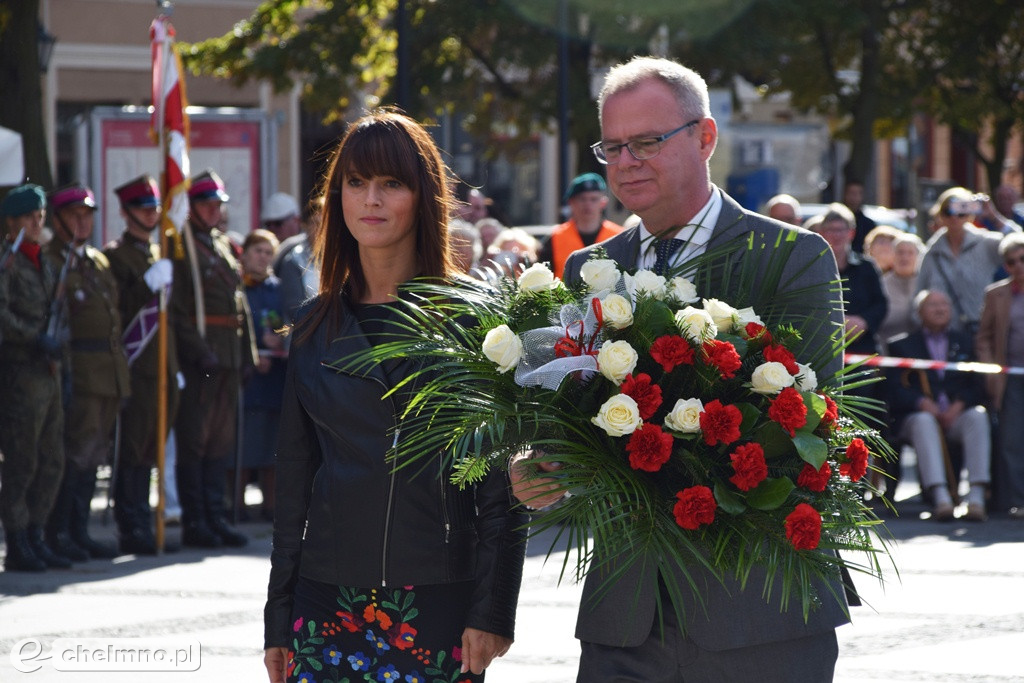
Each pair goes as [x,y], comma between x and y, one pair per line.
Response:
[695,234]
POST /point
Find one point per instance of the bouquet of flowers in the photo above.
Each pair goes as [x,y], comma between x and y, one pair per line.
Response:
[688,430]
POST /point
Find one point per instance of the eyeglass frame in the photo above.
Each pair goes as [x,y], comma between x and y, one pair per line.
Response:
[601,152]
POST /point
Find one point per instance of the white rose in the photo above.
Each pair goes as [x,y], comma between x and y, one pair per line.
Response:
[619,416]
[745,316]
[600,274]
[770,378]
[617,311]
[503,347]
[683,289]
[696,323]
[537,278]
[647,281]
[685,416]
[806,379]
[616,359]
[722,313]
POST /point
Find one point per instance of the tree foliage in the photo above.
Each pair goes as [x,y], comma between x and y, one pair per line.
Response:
[969,60]
[865,64]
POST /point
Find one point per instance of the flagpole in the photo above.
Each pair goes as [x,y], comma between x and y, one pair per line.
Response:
[161,398]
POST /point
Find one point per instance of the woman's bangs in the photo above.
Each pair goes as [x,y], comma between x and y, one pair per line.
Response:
[374,151]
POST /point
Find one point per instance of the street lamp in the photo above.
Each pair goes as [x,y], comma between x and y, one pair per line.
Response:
[45,42]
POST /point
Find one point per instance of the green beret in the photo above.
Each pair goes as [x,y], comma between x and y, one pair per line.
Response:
[588,182]
[22,200]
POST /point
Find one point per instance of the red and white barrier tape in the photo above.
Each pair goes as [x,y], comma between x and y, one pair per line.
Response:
[923,364]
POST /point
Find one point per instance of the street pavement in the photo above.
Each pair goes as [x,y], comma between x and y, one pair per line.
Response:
[954,613]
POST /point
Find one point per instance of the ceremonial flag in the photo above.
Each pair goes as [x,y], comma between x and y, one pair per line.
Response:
[170,122]
[141,330]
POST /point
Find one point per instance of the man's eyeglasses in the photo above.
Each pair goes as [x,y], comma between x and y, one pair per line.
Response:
[641,148]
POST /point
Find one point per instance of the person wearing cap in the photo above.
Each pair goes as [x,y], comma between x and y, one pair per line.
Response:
[31,409]
[98,369]
[215,347]
[587,198]
[281,216]
[141,275]
[294,264]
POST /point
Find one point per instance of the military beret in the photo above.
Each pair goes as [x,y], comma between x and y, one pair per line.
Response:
[588,182]
[22,200]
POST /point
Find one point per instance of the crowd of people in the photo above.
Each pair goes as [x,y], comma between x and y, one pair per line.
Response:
[253,320]
[908,298]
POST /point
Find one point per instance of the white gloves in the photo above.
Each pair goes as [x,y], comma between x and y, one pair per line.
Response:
[159,275]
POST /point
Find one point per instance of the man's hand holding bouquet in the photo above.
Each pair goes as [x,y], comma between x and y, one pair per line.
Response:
[674,428]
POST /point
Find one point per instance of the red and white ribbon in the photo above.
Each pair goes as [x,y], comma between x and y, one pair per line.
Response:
[924,364]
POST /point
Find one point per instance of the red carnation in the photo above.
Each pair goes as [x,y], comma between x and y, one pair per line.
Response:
[720,423]
[646,395]
[723,356]
[856,460]
[828,420]
[671,350]
[788,410]
[776,353]
[803,527]
[696,506]
[748,462]
[814,479]
[649,448]
[757,332]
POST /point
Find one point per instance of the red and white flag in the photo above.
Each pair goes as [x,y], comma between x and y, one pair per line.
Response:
[170,122]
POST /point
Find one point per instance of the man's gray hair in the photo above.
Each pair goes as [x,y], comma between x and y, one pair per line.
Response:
[689,88]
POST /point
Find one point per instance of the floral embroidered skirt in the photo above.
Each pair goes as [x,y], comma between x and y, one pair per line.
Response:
[411,634]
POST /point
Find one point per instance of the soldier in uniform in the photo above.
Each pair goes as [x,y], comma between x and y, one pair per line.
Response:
[99,371]
[141,275]
[215,346]
[31,412]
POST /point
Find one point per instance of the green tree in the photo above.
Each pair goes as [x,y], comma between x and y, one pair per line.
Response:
[969,58]
[21,104]
[836,58]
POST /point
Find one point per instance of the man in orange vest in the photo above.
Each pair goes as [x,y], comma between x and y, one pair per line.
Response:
[587,197]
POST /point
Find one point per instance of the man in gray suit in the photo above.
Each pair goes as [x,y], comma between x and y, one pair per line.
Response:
[657,138]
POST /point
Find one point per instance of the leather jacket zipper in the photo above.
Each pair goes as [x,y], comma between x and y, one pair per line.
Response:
[388,508]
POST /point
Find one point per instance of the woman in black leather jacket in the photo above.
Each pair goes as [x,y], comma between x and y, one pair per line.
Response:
[393,573]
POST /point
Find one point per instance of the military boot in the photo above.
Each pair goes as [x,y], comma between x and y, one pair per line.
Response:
[20,556]
[214,491]
[44,552]
[132,512]
[58,526]
[195,531]
[81,508]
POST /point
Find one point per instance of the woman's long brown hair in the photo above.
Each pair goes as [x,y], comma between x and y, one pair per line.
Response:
[387,143]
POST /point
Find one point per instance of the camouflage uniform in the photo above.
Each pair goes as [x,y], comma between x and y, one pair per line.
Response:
[212,365]
[31,412]
[99,383]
